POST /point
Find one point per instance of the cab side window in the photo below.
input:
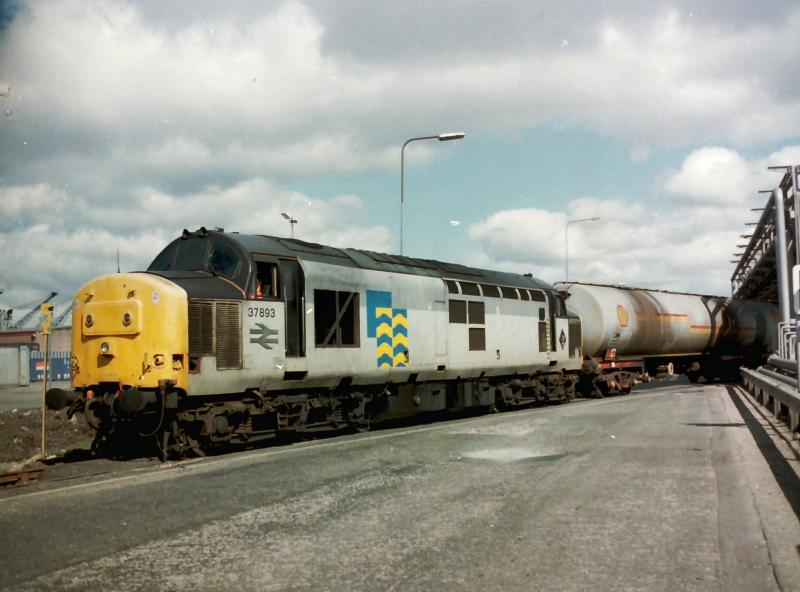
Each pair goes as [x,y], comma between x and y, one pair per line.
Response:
[267,280]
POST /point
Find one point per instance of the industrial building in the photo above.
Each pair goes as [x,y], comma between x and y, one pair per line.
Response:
[22,344]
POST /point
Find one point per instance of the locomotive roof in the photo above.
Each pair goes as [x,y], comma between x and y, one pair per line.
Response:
[359,258]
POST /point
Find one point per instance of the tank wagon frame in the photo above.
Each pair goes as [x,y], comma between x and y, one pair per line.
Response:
[235,338]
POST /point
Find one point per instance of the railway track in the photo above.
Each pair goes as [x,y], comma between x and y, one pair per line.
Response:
[20,477]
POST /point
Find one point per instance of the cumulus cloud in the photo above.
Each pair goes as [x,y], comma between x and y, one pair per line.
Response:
[45,254]
[721,176]
[130,121]
[648,249]
[23,205]
[293,90]
[521,235]
[714,175]
[682,242]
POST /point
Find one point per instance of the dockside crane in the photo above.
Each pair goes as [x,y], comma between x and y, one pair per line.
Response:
[29,315]
[62,316]
[5,314]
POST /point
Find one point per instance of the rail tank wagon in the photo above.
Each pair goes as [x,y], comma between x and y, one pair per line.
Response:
[629,331]
[231,338]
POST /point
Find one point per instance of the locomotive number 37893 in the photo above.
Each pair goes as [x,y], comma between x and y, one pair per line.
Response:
[261,312]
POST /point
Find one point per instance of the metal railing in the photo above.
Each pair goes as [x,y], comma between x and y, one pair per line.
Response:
[777,392]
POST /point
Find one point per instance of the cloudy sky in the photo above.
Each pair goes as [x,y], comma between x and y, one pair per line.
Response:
[129,121]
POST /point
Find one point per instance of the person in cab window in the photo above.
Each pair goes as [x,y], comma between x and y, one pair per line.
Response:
[264,277]
[262,288]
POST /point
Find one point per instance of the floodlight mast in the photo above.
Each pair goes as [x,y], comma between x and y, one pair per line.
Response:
[292,222]
[566,242]
[446,137]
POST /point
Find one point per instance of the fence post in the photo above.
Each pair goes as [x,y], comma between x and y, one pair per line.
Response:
[24,374]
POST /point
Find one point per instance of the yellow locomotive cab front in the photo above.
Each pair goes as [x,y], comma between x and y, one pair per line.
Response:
[130,329]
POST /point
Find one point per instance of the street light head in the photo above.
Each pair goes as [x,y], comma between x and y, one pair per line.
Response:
[285,215]
[451,136]
[593,219]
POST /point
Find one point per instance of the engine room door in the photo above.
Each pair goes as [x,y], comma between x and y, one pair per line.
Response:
[551,309]
[293,282]
[441,326]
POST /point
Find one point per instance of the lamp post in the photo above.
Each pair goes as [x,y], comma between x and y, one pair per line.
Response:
[566,242]
[442,138]
[291,220]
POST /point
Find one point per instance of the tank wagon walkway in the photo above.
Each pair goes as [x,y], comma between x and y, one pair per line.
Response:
[679,487]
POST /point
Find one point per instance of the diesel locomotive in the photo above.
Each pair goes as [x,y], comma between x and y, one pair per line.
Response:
[233,338]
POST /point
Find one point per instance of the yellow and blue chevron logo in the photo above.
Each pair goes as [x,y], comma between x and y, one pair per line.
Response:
[384,351]
[400,337]
[389,327]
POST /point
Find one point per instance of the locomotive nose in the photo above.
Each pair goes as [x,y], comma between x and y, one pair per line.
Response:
[129,331]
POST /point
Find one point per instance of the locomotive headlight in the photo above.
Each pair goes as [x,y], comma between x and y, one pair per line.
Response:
[105,348]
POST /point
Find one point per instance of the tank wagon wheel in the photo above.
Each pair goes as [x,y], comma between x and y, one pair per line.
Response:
[601,389]
[693,372]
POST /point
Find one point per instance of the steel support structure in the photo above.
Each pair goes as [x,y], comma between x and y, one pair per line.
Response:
[769,269]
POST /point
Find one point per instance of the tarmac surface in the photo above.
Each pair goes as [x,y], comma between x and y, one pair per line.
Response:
[675,488]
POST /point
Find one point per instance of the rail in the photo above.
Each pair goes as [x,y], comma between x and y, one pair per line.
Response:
[20,477]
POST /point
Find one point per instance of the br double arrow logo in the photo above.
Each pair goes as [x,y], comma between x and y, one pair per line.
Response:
[264,336]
